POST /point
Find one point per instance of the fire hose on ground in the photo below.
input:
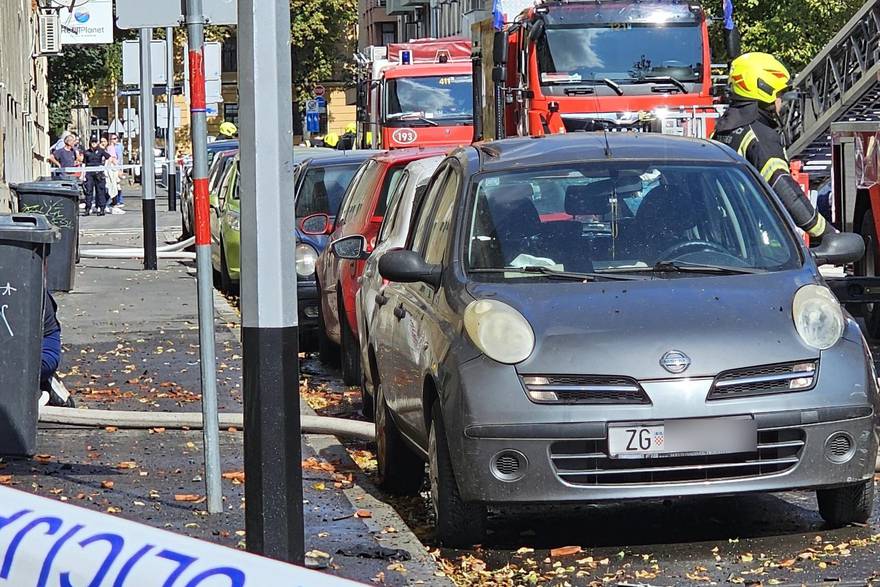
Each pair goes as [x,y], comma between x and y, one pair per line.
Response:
[193,420]
[172,251]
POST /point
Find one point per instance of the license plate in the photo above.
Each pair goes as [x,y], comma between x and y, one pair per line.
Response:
[635,439]
[699,436]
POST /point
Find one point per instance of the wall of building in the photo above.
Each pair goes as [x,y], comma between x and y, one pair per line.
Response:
[24,114]
[375,26]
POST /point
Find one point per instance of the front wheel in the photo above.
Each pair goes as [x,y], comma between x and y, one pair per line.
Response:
[227,286]
[459,523]
[848,504]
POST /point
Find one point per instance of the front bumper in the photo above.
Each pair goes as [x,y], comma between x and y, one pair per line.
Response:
[524,453]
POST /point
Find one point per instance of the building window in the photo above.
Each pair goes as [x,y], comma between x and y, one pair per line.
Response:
[389,32]
[230,112]
[100,116]
[229,55]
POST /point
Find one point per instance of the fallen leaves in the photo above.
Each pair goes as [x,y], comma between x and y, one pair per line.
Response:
[565,551]
[107,484]
[237,477]
[43,458]
[188,497]
[5,479]
[127,465]
[363,514]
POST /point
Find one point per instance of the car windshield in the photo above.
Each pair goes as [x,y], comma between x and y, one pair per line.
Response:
[432,98]
[666,219]
[322,189]
[631,43]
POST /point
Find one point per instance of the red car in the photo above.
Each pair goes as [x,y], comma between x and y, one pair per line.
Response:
[360,213]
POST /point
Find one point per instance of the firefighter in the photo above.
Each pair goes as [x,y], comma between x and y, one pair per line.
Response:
[759,84]
[347,140]
[228,130]
[331,139]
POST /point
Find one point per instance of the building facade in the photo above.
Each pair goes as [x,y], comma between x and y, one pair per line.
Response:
[24,114]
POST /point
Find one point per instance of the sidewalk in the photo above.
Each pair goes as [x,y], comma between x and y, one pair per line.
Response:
[131,343]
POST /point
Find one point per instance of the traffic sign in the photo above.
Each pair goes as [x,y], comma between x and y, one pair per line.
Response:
[312,107]
[320,90]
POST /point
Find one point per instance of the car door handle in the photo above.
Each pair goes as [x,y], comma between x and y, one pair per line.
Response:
[381,299]
[399,312]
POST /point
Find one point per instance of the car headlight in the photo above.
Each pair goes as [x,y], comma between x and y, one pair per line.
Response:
[306,257]
[499,331]
[817,316]
[235,222]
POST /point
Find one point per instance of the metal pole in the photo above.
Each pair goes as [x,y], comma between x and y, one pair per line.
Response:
[128,131]
[148,164]
[195,25]
[170,151]
[272,451]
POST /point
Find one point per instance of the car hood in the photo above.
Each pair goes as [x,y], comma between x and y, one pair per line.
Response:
[625,327]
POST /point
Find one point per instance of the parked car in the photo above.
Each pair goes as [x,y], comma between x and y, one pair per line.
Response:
[361,212]
[159,162]
[658,331]
[187,210]
[225,218]
[392,235]
[226,222]
[319,185]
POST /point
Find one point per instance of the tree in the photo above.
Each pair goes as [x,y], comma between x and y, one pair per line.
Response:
[323,35]
[793,30]
[72,75]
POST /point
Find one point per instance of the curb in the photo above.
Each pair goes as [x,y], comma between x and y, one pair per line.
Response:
[421,567]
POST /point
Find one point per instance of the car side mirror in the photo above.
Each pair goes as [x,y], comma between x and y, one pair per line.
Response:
[316,224]
[839,249]
[351,247]
[499,48]
[499,74]
[409,267]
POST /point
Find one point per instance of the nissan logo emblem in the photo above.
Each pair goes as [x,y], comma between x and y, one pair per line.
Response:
[675,362]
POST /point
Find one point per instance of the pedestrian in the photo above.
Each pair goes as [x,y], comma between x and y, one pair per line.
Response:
[111,177]
[52,391]
[60,142]
[751,126]
[115,149]
[228,130]
[96,191]
[348,138]
[64,158]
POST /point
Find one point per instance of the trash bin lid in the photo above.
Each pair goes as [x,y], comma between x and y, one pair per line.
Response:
[28,228]
[52,187]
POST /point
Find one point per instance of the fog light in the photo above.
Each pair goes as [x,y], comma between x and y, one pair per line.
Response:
[839,448]
[543,396]
[509,465]
[808,370]
[311,311]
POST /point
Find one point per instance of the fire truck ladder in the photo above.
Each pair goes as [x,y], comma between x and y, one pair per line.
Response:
[842,83]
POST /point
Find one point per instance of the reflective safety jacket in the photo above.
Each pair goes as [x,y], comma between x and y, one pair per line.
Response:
[755,135]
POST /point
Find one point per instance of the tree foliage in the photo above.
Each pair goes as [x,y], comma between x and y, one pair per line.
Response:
[76,72]
[323,35]
[793,30]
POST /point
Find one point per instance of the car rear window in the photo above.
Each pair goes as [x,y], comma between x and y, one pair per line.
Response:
[391,178]
[322,189]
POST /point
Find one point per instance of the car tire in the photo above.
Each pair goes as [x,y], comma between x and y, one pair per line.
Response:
[226,284]
[459,523]
[368,402]
[328,351]
[867,267]
[844,505]
[351,352]
[399,470]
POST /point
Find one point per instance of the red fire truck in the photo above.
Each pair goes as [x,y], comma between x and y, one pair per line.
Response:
[416,94]
[563,66]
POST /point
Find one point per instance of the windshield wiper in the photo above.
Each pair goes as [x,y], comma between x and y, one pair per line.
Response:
[613,85]
[662,79]
[412,116]
[552,273]
[684,267]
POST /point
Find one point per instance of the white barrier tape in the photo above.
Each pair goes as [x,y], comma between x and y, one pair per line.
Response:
[96,168]
[45,542]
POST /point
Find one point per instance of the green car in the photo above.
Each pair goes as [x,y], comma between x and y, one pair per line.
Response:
[226,231]
[226,220]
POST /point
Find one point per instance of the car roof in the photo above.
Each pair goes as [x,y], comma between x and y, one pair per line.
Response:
[222,145]
[412,154]
[422,169]
[581,147]
[341,158]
